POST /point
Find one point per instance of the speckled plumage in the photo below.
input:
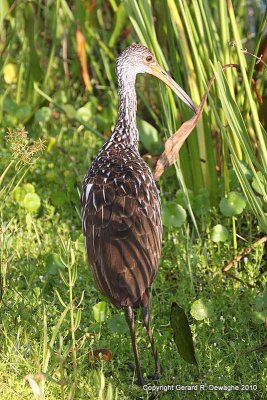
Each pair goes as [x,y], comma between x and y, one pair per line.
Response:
[121,210]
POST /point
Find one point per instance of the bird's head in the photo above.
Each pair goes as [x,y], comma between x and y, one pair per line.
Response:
[138,59]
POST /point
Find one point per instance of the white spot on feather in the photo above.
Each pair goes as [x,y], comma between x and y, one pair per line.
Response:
[93,234]
[88,188]
[94,203]
[84,226]
[102,214]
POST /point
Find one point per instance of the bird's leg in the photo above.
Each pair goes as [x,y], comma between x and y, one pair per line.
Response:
[146,320]
[129,314]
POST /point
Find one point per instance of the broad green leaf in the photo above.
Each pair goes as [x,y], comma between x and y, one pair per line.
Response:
[201,309]
[259,317]
[79,243]
[19,194]
[100,311]
[232,205]
[173,214]
[84,114]
[53,263]
[88,111]
[31,202]
[69,110]
[219,233]
[22,111]
[43,114]
[121,19]
[149,136]
[60,97]
[117,323]
[182,334]
[29,188]
[9,105]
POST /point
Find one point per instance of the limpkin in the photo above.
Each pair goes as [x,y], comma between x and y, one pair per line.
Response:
[121,205]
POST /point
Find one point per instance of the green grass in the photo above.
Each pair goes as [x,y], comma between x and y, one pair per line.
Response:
[47,295]
[31,311]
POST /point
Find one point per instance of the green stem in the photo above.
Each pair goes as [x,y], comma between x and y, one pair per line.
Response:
[19,85]
[225,167]
[5,171]
[52,52]
[50,63]
[36,232]
[72,324]
[234,234]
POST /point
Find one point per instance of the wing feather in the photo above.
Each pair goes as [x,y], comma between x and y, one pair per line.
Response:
[123,232]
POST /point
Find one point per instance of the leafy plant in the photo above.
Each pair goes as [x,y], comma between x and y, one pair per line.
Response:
[173,214]
[201,309]
[233,205]
[182,334]
[219,233]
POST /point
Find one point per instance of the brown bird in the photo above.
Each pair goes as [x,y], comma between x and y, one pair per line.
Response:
[121,209]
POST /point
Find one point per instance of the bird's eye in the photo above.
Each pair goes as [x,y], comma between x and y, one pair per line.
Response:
[149,58]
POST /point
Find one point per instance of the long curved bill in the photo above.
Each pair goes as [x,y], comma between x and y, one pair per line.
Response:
[159,72]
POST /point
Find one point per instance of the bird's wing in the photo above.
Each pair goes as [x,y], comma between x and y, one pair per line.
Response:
[122,229]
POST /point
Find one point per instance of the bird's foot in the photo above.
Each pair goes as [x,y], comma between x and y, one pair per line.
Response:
[141,382]
[156,374]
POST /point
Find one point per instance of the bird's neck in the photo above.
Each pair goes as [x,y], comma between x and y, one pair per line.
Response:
[125,130]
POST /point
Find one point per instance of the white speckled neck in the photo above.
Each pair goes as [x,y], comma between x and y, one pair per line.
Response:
[125,129]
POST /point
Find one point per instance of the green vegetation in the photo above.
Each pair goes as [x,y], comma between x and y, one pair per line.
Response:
[53,119]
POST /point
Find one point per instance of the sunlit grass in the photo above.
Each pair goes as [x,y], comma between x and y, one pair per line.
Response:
[47,324]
